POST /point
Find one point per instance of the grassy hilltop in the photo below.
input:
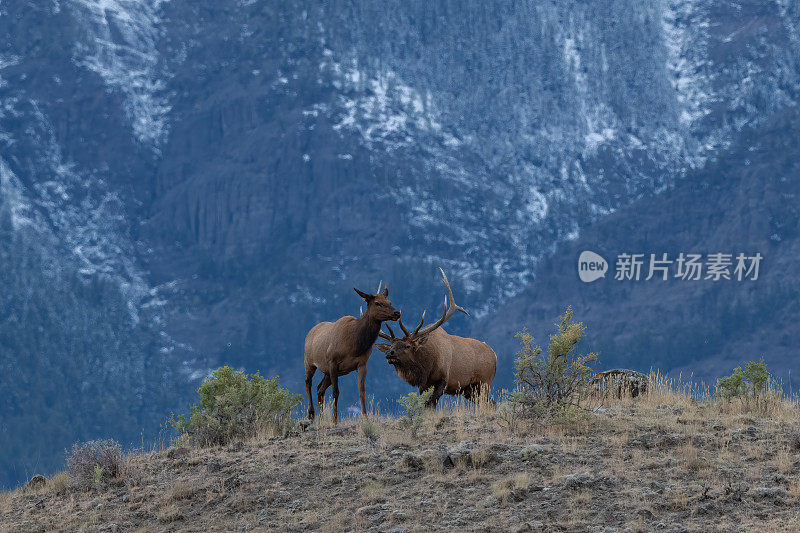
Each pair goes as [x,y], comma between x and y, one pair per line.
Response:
[662,461]
[558,453]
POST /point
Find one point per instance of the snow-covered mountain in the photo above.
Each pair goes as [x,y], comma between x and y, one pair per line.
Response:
[227,171]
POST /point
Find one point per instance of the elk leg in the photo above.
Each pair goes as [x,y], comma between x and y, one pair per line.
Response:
[321,388]
[438,390]
[334,377]
[309,378]
[362,376]
[472,392]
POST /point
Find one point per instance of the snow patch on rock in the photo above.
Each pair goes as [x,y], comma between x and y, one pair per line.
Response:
[122,50]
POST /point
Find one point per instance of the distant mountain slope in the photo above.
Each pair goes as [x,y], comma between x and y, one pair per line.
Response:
[312,149]
[746,200]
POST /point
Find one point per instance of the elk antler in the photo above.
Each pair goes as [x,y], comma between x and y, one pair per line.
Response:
[379,287]
[384,336]
[405,331]
[450,307]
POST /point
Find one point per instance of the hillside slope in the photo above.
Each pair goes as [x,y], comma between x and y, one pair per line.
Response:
[663,463]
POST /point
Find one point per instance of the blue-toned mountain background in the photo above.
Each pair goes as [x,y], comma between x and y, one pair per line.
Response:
[191,183]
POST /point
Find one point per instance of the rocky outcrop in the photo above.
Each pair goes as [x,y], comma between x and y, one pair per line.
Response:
[620,383]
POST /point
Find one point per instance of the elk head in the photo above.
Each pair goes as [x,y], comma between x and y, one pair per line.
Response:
[379,308]
[401,350]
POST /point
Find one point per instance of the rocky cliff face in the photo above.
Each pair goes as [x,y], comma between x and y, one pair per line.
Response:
[229,170]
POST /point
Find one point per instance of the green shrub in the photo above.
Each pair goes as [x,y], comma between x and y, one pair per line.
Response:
[92,462]
[556,379]
[234,406]
[731,386]
[414,405]
[749,384]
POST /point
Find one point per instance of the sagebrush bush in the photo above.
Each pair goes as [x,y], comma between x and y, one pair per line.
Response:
[234,406]
[414,405]
[92,462]
[750,386]
[555,379]
[369,428]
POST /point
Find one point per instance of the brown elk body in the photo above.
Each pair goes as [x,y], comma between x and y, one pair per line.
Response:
[431,357]
[338,348]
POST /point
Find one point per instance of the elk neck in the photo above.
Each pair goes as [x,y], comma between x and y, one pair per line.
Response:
[366,333]
[414,370]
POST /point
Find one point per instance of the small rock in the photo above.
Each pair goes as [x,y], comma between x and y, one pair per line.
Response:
[461,452]
[749,433]
[517,495]
[399,515]
[606,410]
[444,460]
[770,493]
[177,452]
[621,383]
[36,481]
[705,507]
[670,408]
[490,501]
[232,482]
[411,461]
[126,498]
[585,479]
[577,480]
[374,513]
[532,450]
[236,446]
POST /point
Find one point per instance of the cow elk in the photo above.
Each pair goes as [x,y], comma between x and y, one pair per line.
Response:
[431,357]
[338,348]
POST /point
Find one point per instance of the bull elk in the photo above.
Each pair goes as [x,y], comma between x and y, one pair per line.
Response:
[338,348]
[431,357]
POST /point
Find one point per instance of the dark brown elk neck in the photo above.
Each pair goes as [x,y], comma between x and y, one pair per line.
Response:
[366,333]
[415,370]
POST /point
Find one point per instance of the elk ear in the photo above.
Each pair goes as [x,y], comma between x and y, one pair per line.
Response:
[386,292]
[367,297]
[384,347]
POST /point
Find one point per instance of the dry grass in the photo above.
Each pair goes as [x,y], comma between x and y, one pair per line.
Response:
[169,513]
[672,457]
[373,492]
[183,489]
